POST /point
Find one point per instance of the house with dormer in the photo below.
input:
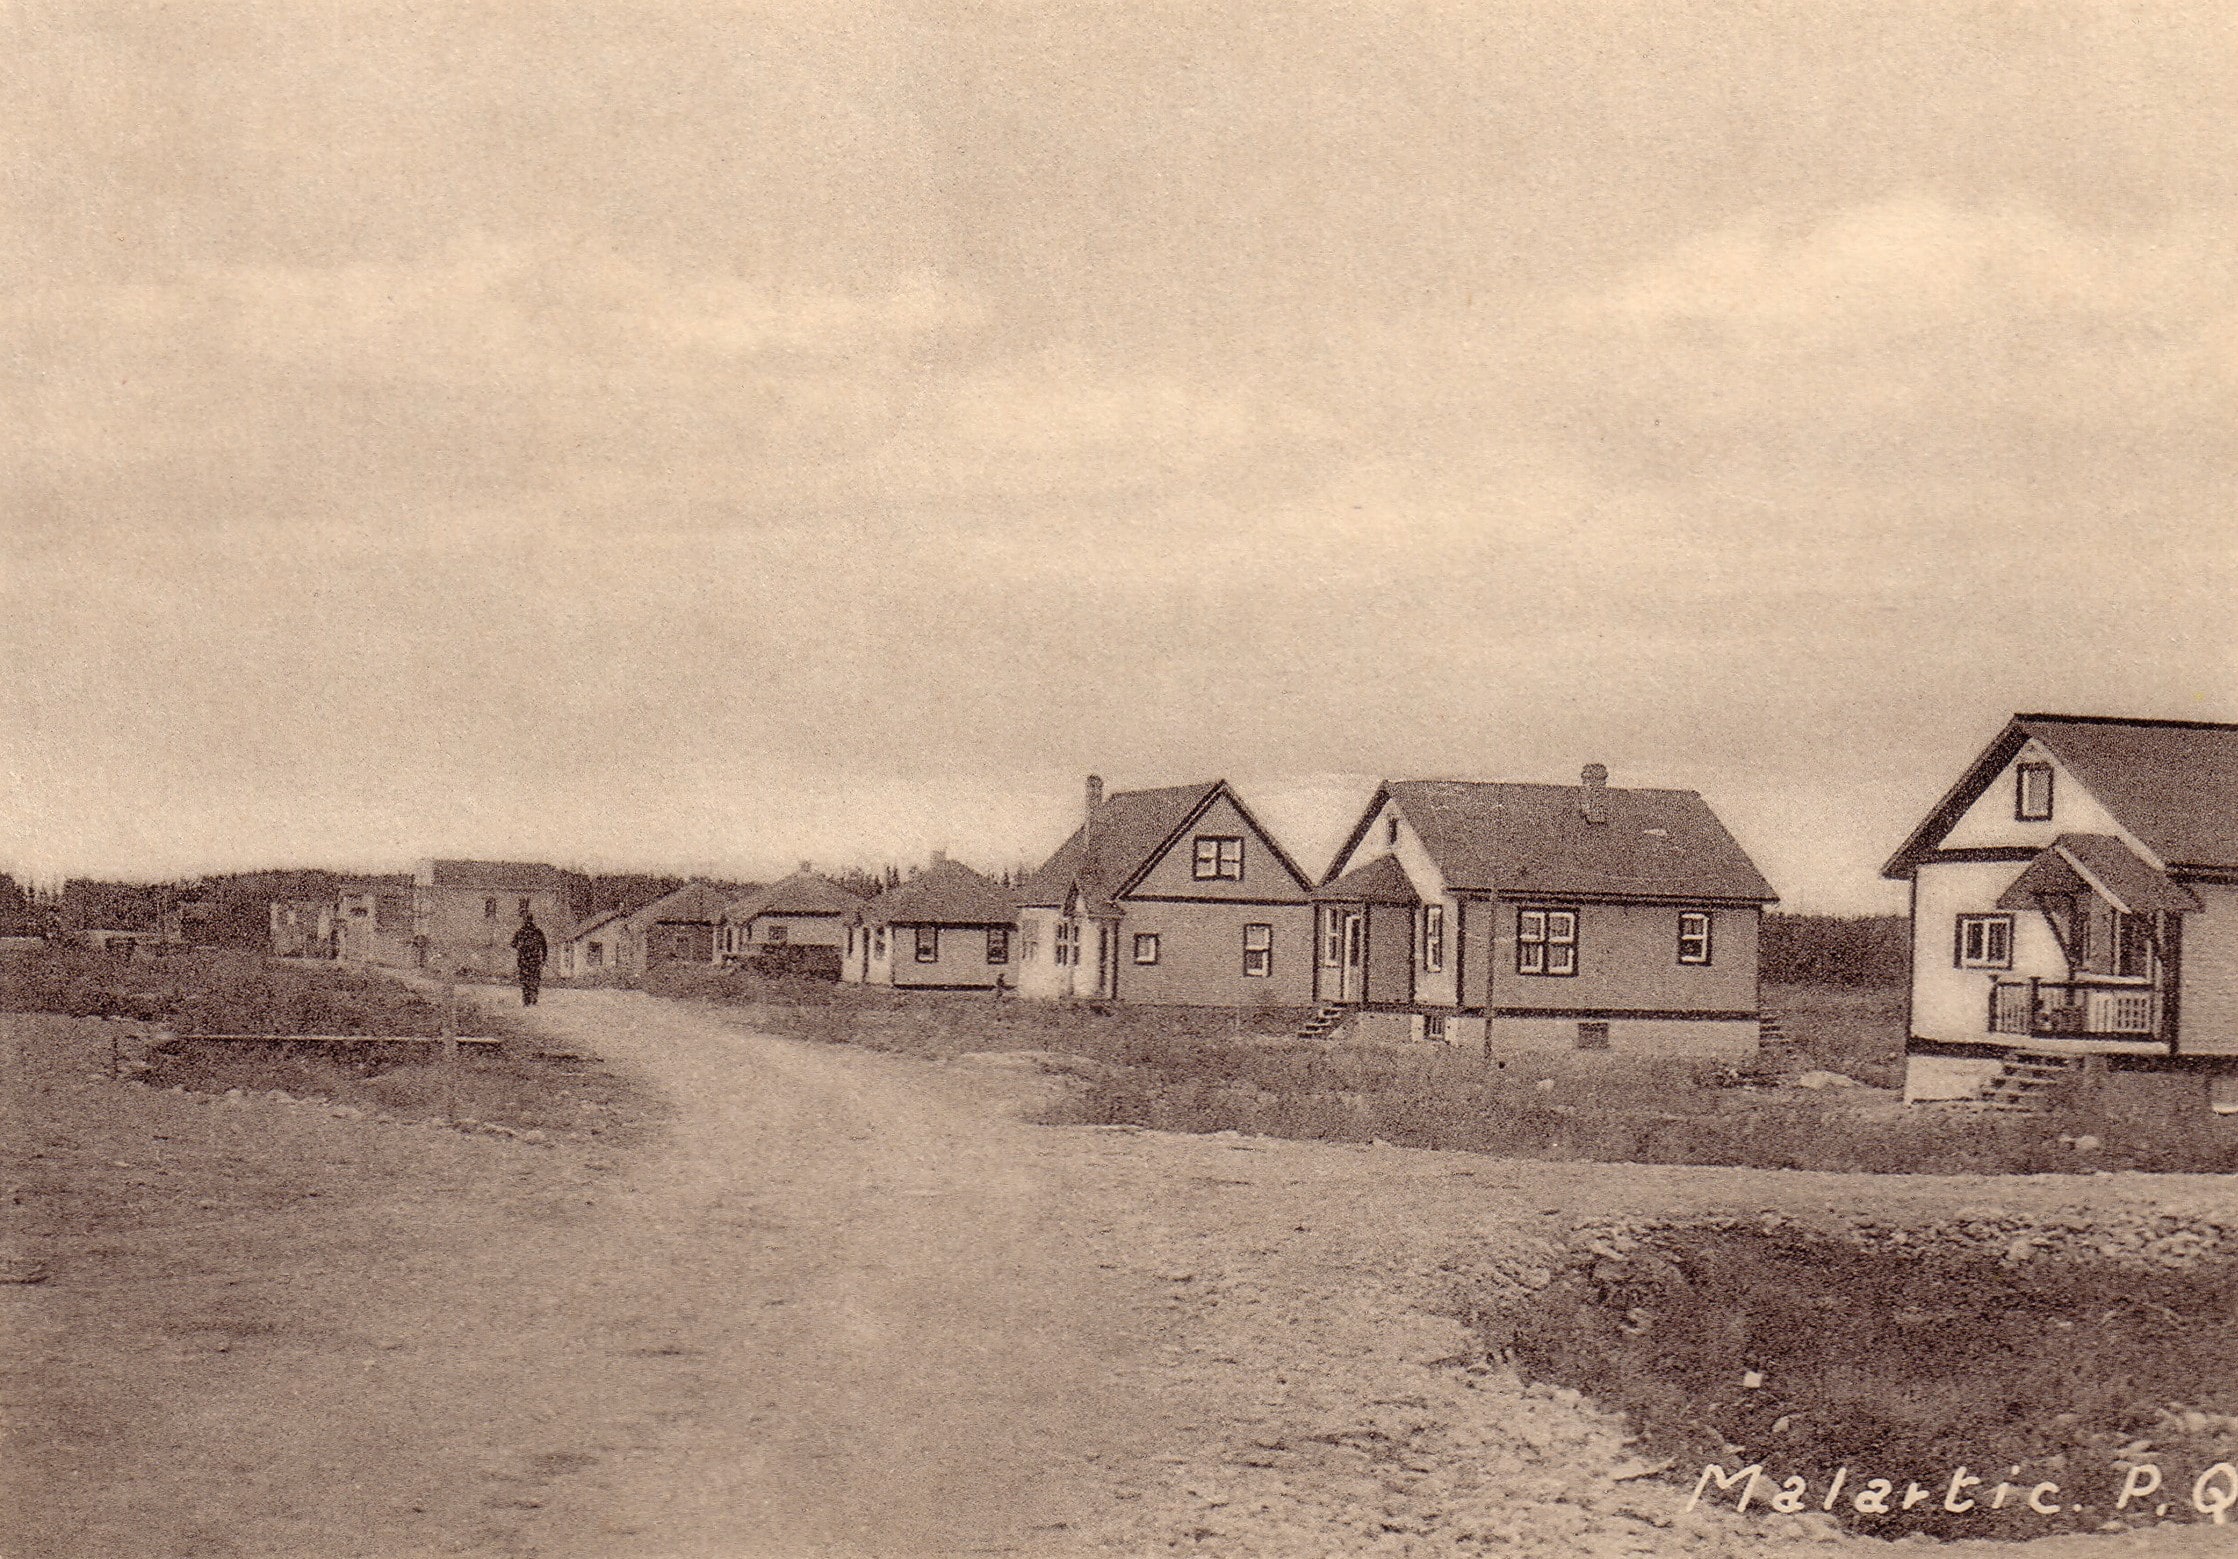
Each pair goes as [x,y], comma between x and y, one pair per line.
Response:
[1534,917]
[2075,893]
[1172,897]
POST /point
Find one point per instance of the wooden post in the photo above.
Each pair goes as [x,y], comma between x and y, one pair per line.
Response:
[450,1041]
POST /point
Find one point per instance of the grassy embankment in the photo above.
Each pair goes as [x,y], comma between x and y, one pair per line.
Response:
[1212,1070]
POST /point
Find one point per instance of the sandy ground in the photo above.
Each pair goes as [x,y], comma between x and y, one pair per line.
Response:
[847,1303]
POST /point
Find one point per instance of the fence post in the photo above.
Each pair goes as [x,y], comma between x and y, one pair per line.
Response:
[450,1040]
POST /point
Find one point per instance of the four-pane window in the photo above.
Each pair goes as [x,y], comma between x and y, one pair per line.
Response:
[1693,936]
[1258,950]
[1546,941]
[1219,859]
[998,944]
[1985,942]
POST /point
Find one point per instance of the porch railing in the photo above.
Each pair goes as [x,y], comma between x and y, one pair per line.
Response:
[2055,1009]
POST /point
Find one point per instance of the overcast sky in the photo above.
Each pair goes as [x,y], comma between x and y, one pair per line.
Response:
[690,436]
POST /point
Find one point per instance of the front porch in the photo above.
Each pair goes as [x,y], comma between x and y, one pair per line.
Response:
[2121,1010]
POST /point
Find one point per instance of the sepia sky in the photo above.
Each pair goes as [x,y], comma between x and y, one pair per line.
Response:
[686,436]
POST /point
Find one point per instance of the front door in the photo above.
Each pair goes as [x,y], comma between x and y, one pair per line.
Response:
[1355,956]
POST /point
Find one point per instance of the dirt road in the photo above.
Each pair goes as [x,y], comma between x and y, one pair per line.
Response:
[848,1303]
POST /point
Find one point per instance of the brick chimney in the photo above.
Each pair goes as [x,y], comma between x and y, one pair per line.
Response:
[1091,861]
[804,868]
[940,858]
[1593,795]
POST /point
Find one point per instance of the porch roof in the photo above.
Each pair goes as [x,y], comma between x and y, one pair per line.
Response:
[2103,864]
[1381,881]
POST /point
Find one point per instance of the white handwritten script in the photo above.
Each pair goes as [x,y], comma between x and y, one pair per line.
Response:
[2213,1493]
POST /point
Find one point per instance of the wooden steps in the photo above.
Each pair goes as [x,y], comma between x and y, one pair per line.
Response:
[2029,1082]
[1326,1021]
[1777,1054]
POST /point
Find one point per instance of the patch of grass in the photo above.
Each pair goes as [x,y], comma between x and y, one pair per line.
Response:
[212,992]
[1808,1353]
[1857,1030]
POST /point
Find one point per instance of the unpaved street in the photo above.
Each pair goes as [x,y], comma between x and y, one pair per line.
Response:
[851,1303]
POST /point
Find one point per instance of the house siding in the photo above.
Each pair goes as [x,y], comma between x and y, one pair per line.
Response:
[1264,875]
[1200,955]
[1952,1004]
[457,925]
[2207,1017]
[962,963]
[1628,961]
[1989,821]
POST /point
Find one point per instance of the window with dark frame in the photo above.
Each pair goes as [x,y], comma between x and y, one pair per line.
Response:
[1332,937]
[1146,947]
[928,944]
[1258,950]
[1219,858]
[1433,937]
[2032,793]
[775,936]
[1593,1034]
[998,944]
[1694,937]
[1984,942]
[1546,941]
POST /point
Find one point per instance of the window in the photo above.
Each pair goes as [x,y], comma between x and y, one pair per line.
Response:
[1332,938]
[775,936]
[1219,859]
[1067,950]
[1146,948]
[998,944]
[2032,792]
[489,909]
[1391,832]
[1546,941]
[1433,1027]
[928,944]
[1433,937]
[597,953]
[1985,942]
[1258,951]
[1694,936]
[1593,1034]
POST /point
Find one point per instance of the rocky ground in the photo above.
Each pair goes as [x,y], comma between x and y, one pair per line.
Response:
[845,1303]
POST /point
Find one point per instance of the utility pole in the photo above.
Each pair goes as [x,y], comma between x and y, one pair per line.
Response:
[450,1039]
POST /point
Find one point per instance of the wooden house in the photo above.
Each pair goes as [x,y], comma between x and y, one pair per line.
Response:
[465,913]
[1173,897]
[946,929]
[1525,916]
[804,911]
[678,927]
[2075,894]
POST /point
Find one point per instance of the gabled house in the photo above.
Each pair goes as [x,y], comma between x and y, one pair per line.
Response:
[1174,897]
[946,929]
[803,911]
[1542,916]
[677,927]
[2075,893]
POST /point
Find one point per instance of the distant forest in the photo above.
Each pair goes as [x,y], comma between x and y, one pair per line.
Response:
[1859,950]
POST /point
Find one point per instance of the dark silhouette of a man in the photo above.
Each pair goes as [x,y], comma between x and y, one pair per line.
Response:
[529,952]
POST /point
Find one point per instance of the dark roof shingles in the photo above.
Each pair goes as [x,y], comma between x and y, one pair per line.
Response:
[1519,838]
[1130,826]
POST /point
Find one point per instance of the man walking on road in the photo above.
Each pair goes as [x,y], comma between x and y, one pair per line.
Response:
[529,952]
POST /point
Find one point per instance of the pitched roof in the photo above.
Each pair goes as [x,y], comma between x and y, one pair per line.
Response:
[2173,784]
[597,922]
[1131,827]
[946,893]
[1518,838]
[1382,881]
[502,875]
[803,893]
[2104,864]
[695,903]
